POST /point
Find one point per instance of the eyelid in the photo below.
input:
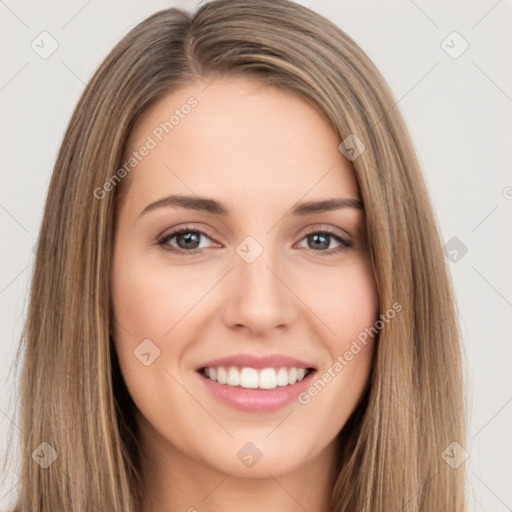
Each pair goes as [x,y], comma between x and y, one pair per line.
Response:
[329,229]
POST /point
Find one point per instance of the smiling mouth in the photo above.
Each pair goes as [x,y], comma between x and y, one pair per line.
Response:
[252,378]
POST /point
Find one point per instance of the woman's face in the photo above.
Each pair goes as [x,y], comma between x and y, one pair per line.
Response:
[262,281]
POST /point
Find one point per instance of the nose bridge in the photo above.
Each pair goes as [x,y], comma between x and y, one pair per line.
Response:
[259,299]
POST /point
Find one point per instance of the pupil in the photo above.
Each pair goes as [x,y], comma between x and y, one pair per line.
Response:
[321,245]
[189,238]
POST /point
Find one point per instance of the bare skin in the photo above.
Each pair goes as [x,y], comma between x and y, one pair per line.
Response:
[258,151]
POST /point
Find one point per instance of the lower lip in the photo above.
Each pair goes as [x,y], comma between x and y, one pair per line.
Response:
[256,400]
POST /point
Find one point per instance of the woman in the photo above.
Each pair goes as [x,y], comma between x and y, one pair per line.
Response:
[305,353]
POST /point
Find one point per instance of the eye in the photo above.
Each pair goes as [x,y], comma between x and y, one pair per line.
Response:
[321,239]
[188,240]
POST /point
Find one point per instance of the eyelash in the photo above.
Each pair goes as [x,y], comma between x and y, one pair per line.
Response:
[162,242]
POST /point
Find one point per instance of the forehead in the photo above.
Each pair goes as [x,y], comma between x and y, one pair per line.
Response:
[236,139]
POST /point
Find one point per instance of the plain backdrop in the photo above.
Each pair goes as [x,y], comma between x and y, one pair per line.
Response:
[455,91]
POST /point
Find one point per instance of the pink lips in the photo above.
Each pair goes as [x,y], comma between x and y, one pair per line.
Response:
[256,400]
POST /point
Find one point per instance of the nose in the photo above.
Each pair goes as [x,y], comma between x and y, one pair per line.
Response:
[258,298]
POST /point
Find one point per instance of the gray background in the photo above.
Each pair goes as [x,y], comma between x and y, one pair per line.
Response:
[458,111]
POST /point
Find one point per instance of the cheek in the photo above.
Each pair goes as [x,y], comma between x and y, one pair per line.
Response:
[358,302]
[149,300]
[138,309]
[345,300]
[158,303]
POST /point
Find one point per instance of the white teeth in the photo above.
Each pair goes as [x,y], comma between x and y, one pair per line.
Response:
[282,377]
[222,376]
[268,379]
[248,378]
[292,376]
[251,378]
[233,377]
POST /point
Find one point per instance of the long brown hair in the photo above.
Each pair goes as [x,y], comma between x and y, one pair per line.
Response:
[72,392]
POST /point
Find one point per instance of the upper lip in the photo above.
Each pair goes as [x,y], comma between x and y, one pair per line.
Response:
[259,362]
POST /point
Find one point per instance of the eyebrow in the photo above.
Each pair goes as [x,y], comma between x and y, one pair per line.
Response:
[205,204]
